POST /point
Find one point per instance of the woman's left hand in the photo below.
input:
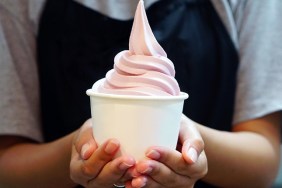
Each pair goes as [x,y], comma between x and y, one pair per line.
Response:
[165,167]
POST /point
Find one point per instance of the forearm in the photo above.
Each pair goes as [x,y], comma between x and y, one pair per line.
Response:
[241,159]
[37,165]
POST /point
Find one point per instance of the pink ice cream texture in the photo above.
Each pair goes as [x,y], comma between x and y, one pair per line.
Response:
[144,69]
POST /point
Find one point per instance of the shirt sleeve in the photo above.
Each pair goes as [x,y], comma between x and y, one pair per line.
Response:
[259,88]
[19,93]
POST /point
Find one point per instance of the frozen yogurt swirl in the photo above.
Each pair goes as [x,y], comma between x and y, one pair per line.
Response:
[144,69]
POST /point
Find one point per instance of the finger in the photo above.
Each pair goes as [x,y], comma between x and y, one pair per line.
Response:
[171,158]
[100,158]
[85,143]
[75,169]
[160,174]
[79,143]
[114,172]
[174,161]
[141,181]
[199,169]
[191,140]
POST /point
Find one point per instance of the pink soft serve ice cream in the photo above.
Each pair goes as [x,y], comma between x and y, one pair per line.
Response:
[144,69]
[141,84]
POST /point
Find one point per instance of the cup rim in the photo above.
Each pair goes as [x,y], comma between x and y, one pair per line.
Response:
[93,93]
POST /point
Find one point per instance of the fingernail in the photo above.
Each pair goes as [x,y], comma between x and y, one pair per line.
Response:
[144,182]
[111,146]
[153,154]
[84,149]
[124,166]
[193,154]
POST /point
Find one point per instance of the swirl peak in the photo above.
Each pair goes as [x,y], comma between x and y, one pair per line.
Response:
[142,40]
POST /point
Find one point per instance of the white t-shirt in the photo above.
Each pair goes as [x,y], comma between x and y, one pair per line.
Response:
[254,27]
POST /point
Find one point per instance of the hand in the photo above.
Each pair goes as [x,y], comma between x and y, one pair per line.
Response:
[171,168]
[97,166]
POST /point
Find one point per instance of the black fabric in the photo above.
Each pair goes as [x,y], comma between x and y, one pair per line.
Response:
[76,47]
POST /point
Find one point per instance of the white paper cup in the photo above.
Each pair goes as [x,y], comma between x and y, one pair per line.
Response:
[138,122]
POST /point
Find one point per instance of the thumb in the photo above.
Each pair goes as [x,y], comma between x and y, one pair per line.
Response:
[84,142]
[192,142]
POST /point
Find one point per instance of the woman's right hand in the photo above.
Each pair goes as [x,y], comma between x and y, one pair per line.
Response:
[97,166]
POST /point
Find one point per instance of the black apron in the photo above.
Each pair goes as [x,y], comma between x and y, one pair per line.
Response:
[77,46]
